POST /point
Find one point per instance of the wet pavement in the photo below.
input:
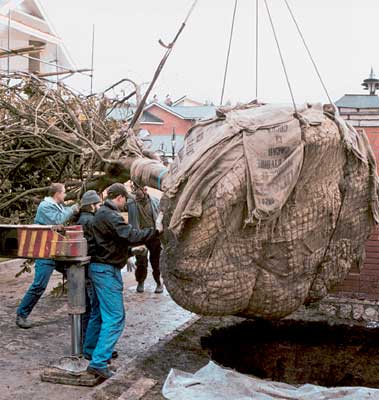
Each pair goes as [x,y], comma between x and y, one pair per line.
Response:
[150,317]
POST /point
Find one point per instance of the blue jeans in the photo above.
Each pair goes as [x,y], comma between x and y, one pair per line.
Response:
[107,318]
[43,270]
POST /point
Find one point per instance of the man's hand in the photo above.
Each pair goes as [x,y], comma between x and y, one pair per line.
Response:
[158,222]
[130,266]
[138,251]
[75,209]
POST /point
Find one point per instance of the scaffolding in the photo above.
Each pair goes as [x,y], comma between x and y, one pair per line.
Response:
[25,52]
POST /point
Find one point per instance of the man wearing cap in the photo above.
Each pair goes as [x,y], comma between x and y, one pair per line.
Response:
[51,211]
[89,204]
[143,212]
[112,238]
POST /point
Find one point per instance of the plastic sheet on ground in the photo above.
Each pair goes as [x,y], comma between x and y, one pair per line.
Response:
[214,382]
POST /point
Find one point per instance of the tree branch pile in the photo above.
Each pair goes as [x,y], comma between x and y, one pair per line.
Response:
[50,134]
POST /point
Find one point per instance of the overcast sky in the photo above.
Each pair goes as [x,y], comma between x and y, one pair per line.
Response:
[342,36]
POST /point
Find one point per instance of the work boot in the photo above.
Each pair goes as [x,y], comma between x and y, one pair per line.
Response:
[22,322]
[140,287]
[102,372]
[159,288]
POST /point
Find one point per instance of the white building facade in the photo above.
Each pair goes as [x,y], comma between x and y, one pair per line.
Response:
[26,31]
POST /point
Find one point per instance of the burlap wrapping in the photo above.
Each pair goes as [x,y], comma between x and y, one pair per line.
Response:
[146,172]
[264,212]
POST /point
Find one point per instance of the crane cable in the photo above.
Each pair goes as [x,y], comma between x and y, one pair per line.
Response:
[308,51]
[256,48]
[281,56]
[228,54]
[279,50]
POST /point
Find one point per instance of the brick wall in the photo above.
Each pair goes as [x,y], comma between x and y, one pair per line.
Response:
[365,284]
[170,121]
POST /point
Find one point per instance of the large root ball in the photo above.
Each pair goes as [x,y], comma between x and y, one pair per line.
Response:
[265,210]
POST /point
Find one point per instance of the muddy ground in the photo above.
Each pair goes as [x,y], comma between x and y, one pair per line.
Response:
[159,335]
[150,317]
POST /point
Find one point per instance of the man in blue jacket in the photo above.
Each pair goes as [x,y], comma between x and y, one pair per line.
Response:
[112,237]
[51,211]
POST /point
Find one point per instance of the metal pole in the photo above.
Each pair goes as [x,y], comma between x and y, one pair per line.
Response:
[9,40]
[76,334]
[56,62]
[76,303]
[92,55]
[173,142]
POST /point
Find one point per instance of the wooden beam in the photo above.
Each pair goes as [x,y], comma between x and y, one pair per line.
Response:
[39,60]
[20,51]
[138,389]
[71,71]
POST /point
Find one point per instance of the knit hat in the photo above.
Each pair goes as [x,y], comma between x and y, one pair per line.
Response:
[116,189]
[90,197]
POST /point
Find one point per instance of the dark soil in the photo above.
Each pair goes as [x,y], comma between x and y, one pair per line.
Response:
[299,352]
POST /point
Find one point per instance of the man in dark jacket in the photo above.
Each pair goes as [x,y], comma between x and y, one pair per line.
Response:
[142,213]
[89,204]
[112,237]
